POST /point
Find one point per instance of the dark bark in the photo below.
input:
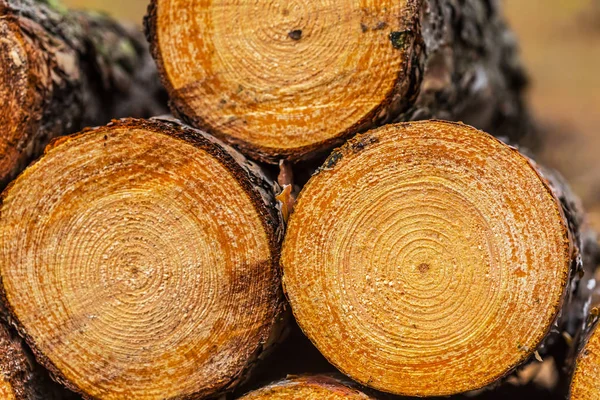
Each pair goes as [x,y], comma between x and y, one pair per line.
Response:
[82,69]
[467,69]
[27,379]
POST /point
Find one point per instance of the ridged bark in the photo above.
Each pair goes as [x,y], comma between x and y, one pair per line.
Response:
[468,69]
[23,378]
[64,70]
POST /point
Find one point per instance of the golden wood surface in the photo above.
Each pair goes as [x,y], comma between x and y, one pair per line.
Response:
[586,378]
[276,90]
[307,388]
[560,41]
[139,263]
[426,259]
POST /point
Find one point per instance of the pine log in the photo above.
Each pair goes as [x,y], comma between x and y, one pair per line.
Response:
[429,258]
[585,384]
[310,387]
[584,363]
[140,260]
[283,81]
[61,71]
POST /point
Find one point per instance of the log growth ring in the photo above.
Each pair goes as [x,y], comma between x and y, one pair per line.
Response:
[139,264]
[426,258]
[280,79]
[585,384]
[307,388]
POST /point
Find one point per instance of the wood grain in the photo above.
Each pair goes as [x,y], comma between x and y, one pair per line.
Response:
[140,260]
[428,258]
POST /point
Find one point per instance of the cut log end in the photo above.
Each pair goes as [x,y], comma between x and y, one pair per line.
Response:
[140,261]
[285,78]
[427,258]
[585,384]
[318,387]
[21,104]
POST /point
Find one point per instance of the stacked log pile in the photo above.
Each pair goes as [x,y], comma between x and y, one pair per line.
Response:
[212,253]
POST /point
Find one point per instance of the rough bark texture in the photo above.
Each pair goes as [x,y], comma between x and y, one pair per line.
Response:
[82,69]
[260,188]
[468,69]
[27,379]
[462,65]
[576,315]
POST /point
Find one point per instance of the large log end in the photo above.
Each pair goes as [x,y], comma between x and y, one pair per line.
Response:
[427,258]
[140,260]
[284,79]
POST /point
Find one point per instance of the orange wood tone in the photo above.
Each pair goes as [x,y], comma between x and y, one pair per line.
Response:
[23,79]
[427,258]
[585,384]
[318,387]
[281,79]
[6,390]
[139,261]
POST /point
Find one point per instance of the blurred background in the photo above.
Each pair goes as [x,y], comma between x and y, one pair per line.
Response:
[560,45]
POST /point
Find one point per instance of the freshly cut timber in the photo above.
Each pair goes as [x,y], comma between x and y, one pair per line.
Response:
[20,377]
[586,377]
[317,387]
[61,71]
[429,258]
[140,260]
[284,80]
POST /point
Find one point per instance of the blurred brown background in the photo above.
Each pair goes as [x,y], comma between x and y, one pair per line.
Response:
[560,43]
